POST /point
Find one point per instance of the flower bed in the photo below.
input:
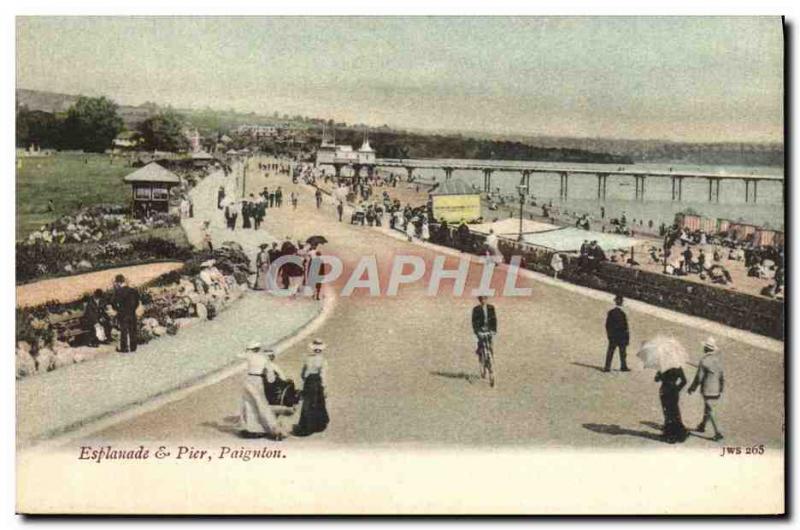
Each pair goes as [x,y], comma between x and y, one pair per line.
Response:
[100,236]
[168,303]
[35,261]
[97,223]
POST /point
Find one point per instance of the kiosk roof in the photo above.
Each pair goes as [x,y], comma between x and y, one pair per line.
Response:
[152,172]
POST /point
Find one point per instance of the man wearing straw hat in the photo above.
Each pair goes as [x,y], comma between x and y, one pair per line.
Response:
[710,377]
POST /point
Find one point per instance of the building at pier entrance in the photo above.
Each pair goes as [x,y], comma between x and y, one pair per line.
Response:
[344,155]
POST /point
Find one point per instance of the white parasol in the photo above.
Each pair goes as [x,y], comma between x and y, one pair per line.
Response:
[662,353]
[340,193]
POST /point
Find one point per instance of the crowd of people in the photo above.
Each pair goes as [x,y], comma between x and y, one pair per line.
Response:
[590,256]
[269,395]
[710,257]
[292,276]
[252,209]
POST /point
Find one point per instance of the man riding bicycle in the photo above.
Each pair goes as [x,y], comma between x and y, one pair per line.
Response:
[483,317]
[484,325]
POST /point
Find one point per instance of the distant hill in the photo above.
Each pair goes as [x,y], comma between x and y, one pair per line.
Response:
[59,103]
[44,101]
[511,145]
[658,151]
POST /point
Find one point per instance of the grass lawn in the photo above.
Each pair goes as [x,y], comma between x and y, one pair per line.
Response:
[70,180]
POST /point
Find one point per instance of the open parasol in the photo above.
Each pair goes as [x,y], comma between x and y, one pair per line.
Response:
[316,240]
[662,353]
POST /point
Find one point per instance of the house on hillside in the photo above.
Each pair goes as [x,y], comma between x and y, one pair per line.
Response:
[258,131]
[124,142]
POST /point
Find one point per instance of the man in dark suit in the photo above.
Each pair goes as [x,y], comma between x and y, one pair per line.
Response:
[618,335]
[126,301]
[484,317]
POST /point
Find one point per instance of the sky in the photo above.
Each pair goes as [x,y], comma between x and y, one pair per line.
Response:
[700,79]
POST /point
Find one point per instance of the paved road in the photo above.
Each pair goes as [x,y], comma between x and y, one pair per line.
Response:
[403,371]
[71,288]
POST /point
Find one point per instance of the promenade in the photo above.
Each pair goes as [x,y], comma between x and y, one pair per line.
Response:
[403,369]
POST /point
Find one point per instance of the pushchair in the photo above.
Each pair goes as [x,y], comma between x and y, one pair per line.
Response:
[357,218]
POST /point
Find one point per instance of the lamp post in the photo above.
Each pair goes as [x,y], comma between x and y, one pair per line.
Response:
[523,191]
[244,175]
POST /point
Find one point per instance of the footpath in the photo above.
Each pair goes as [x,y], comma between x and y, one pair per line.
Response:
[57,402]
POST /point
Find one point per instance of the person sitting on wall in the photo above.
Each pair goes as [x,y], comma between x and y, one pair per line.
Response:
[96,322]
[596,255]
[718,275]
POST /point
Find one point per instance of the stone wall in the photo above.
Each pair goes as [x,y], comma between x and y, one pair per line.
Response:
[732,308]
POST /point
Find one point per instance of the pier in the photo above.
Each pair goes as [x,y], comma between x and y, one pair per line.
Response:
[526,171]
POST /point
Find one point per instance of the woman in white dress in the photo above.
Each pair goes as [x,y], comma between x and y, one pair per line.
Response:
[256,418]
[426,231]
[410,229]
[557,264]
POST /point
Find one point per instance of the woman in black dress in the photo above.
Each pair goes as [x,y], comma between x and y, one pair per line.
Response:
[672,381]
[313,413]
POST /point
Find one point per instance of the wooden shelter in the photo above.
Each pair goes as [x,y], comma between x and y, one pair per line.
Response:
[151,187]
[202,159]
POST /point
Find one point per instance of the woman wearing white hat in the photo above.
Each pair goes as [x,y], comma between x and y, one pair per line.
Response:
[256,418]
[313,413]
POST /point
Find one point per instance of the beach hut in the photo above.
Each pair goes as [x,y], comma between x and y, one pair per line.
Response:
[709,226]
[455,200]
[689,221]
[764,237]
[151,186]
[723,225]
[742,230]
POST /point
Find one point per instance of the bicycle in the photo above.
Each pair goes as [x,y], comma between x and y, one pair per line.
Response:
[486,356]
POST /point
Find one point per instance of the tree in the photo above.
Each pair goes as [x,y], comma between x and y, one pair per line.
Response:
[164,132]
[36,127]
[91,124]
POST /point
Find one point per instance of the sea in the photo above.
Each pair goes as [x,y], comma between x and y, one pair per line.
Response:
[657,206]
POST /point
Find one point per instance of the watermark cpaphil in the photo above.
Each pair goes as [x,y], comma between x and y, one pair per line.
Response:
[403,270]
